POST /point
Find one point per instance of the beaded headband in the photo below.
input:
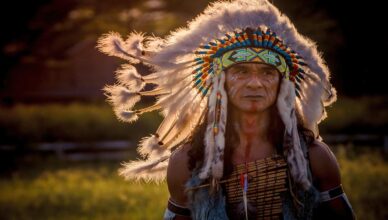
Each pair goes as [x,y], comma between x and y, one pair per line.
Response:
[251,55]
[248,46]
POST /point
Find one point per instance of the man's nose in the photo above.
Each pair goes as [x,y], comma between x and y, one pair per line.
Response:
[254,81]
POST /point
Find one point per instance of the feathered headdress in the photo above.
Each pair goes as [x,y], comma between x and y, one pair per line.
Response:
[189,76]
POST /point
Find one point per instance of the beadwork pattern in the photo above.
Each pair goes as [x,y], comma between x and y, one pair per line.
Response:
[246,46]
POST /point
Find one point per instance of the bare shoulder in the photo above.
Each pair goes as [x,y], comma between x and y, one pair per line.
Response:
[324,166]
[178,173]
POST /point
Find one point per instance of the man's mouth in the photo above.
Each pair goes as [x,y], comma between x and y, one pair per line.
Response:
[253,97]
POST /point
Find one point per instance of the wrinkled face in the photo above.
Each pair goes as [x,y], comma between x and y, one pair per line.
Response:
[252,87]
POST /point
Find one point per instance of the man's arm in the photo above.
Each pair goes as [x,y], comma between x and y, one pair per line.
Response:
[326,174]
[177,176]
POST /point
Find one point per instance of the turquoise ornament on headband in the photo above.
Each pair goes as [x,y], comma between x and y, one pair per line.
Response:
[252,55]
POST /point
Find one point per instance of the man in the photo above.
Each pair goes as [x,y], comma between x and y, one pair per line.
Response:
[252,89]
[242,93]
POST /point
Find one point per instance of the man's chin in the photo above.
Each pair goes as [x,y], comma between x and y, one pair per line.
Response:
[254,108]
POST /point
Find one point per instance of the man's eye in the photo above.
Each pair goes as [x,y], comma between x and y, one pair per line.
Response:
[268,72]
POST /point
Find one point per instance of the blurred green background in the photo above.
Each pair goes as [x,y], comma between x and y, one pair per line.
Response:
[61,145]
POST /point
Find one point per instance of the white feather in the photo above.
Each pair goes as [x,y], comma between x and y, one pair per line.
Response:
[310,105]
[295,157]
[188,119]
[120,97]
[128,76]
[186,130]
[286,102]
[167,78]
[175,112]
[133,44]
[125,115]
[113,45]
[174,99]
[209,141]
[218,162]
[149,145]
[154,44]
[148,170]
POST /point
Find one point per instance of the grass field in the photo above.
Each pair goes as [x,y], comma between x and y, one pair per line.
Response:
[61,190]
[23,124]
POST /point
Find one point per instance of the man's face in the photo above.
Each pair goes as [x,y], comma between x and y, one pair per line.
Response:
[252,87]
